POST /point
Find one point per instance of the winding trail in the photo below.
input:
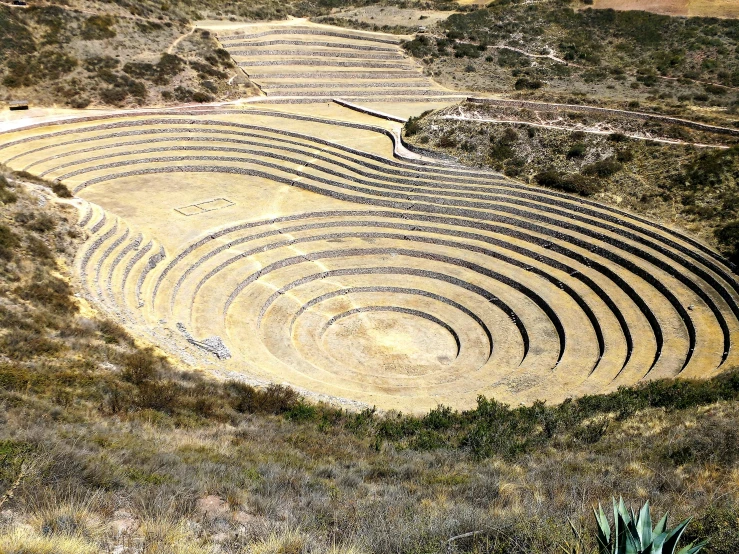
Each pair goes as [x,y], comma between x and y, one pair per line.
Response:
[589,130]
[171,48]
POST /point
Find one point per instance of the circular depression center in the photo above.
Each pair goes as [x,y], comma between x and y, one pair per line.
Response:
[391,341]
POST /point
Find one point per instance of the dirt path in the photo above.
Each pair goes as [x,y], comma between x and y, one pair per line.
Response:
[552,57]
[179,39]
[534,104]
[586,130]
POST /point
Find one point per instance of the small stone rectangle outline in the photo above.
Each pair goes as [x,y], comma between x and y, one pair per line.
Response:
[201,209]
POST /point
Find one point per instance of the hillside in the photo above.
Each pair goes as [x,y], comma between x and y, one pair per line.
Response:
[547,50]
[689,8]
[128,54]
[61,56]
[106,448]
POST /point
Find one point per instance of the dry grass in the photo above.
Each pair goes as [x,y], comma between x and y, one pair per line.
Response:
[130,456]
[25,541]
[690,8]
[550,51]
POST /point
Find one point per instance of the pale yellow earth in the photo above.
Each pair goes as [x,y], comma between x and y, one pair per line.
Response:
[292,239]
[690,8]
[473,2]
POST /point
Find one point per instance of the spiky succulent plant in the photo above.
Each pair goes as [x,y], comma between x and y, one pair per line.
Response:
[633,533]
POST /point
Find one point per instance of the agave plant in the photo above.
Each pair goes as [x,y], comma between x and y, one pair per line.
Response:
[633,533]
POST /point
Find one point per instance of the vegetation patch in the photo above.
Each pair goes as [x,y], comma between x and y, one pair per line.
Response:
[696,187]
[98,27]
[96,420]
[551,51]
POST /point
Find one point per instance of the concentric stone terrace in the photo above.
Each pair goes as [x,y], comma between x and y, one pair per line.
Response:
[317,62]
[324,255]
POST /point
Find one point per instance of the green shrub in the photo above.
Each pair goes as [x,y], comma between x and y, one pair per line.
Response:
[464,50]
[528,84]
[496,430]
[624,156]
[98,27]
[160,396]
[200,96]
[591,432]
[275,399]
[141,366]
[170,65]
[302,411]
[79,102]
[206,70]
[447,140]
[122,87]
[183,94]
[412,126]
[715,89]
[511,58]
[577,150]
[223,56]
[603,168]
[419,47]
[647,80]
[160,73]
[8,241]
[113,95]
[141,70]
[440,418]
[50,292]
[61,190]
[501,151]
[94,64]
[568,182]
